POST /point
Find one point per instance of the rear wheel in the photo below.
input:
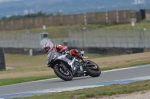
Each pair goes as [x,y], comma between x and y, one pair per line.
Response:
[64,74]
[93,69]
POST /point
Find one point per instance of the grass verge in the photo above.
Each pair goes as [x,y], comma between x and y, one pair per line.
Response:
[125,65]
[97,92]
[61,31]
[9,81]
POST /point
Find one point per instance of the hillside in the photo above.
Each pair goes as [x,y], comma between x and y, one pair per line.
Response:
[17,7]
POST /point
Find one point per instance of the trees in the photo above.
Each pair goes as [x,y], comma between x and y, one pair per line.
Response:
[30,15]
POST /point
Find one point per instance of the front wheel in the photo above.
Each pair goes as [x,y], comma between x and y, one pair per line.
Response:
[62,73]
[93,69]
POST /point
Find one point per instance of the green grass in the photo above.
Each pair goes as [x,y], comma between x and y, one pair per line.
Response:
[25,79]
[96,55]
[126,65]
[54,32]
[95,92]
[61,31]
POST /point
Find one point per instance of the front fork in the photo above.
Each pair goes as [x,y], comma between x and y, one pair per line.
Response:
[73,68]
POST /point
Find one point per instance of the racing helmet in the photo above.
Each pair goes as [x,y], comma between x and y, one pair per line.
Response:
[48,46]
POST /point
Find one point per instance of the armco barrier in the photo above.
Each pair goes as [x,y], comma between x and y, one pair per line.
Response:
[2,60]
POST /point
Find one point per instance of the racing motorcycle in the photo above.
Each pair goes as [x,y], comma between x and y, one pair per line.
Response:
[69,65]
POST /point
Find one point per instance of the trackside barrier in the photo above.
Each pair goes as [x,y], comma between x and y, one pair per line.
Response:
[2,60]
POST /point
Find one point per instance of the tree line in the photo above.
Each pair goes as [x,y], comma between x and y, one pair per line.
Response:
[30,15]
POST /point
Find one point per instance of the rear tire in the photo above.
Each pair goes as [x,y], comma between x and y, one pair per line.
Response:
[67,76]
[93,72]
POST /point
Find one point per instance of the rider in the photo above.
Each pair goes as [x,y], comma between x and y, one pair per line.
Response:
[50,49]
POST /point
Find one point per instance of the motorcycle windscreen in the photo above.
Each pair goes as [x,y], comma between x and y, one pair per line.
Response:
[51,56]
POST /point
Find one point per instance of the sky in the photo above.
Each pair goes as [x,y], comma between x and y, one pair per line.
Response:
[1,1]
[22,7]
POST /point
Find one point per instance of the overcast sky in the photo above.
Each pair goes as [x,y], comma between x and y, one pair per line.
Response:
[1,1]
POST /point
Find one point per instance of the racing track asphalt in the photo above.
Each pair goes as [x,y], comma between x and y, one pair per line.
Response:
[50,85]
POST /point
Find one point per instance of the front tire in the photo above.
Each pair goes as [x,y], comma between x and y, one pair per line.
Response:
[93,71]
[64,75]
